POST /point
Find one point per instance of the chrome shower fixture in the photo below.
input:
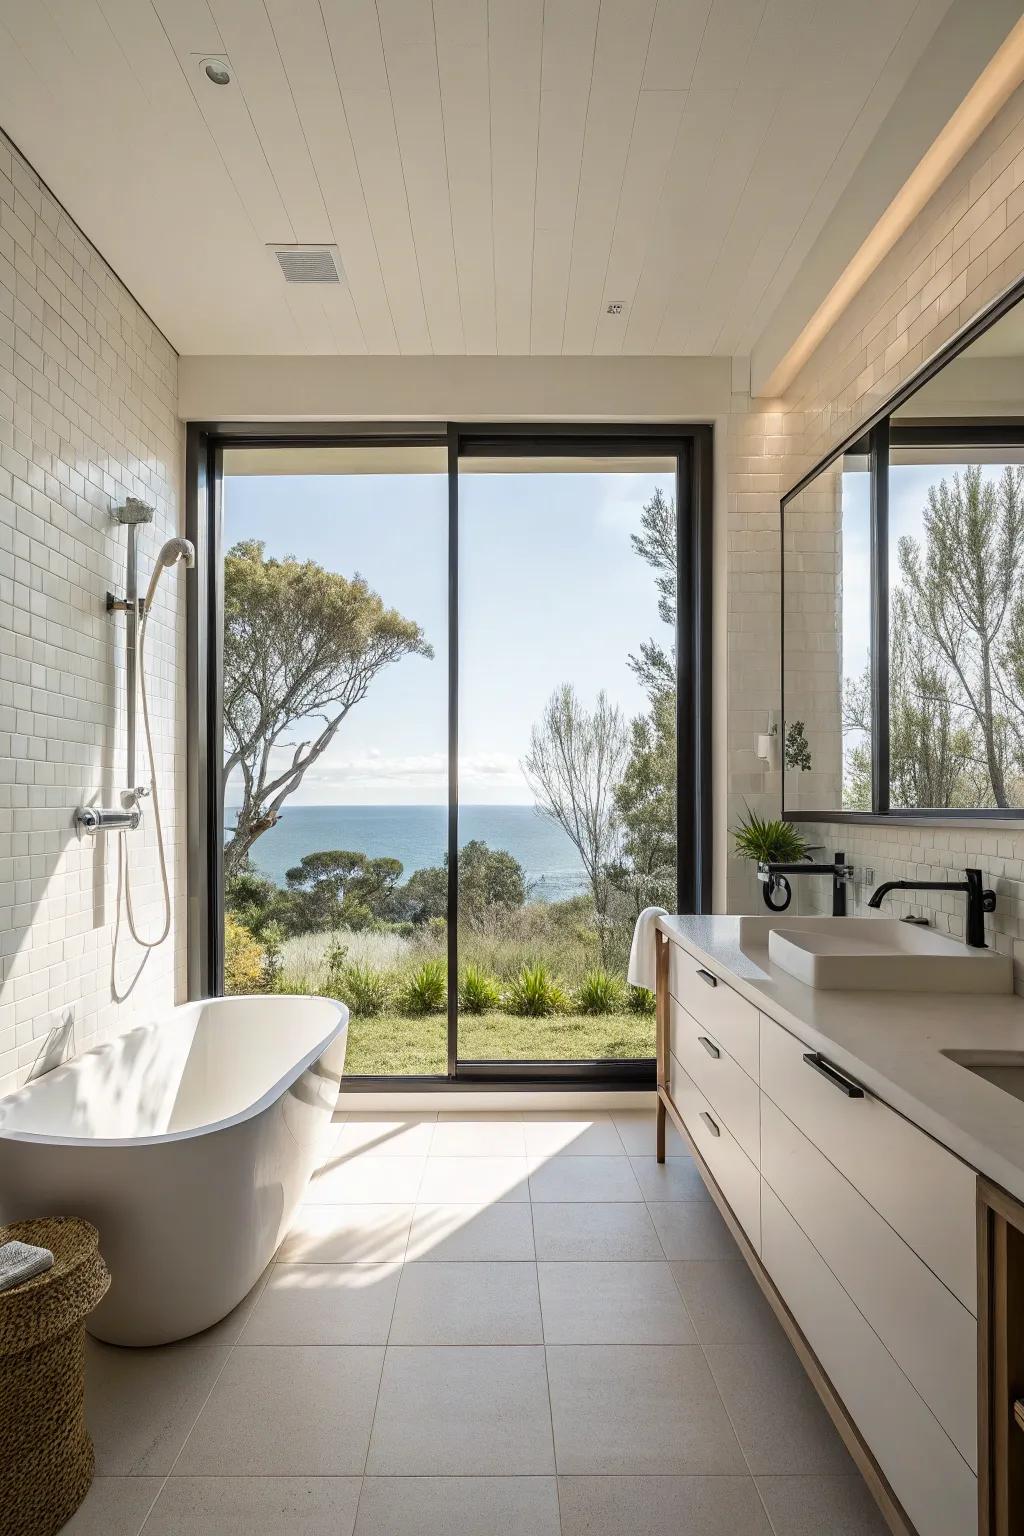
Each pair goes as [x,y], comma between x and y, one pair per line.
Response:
[134,511]
[175,550]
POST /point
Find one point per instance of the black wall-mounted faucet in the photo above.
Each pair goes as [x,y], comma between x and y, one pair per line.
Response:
[773,878]
[979,901]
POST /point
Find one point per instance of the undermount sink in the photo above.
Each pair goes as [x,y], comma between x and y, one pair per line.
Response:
[869,954]
[1003,1069]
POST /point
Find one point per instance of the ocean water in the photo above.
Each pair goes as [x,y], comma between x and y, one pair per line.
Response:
[416,834]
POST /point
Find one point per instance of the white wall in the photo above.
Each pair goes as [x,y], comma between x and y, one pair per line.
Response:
[666,389]
[87,417]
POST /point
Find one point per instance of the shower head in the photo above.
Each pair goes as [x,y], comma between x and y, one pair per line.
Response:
[134,511]
[175,550]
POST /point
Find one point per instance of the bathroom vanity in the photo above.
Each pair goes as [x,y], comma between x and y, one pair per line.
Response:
[866,1149]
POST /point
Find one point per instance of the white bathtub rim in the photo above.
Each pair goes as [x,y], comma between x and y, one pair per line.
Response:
[190,1133]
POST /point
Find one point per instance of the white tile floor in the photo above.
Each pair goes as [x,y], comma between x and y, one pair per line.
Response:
[480,1325]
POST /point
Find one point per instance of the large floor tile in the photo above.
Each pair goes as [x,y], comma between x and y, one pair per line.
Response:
[560,1133]
[674,1179]
[287,1412]
[468,1303]
[347,1234]
[567,1179]
[383,1135]
[478,1136]
[141,1403]
[114,1506]
[638,1133]
[692,1229]
[725,1302]
[663,1506]
[361,1179]
[325,1304]
[777,1414]
[474,1180]
[638,1410]
[612,1302]
[441,1233]
[602,1230]
[255,1506]
[454,1411]
[810,1506]
[458,1506]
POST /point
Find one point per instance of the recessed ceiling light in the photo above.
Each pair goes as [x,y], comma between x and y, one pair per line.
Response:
[217,71]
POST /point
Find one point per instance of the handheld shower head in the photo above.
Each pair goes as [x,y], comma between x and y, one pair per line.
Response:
[175,550]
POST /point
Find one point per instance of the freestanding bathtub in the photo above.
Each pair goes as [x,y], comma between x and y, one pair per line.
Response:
[188,1142]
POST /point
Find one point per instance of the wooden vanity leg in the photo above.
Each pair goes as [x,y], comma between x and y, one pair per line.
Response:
[661,999]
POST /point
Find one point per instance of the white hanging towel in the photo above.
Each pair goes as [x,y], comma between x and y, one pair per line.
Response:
[643,963]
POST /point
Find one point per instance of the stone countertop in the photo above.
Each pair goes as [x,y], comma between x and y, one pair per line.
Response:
[891,1042]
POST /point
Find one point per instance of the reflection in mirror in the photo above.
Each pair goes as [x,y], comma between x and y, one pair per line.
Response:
[956,579]
[956,628]
[826,552]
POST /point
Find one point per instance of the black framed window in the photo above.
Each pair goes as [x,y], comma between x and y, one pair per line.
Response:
[646,489]
[903,600]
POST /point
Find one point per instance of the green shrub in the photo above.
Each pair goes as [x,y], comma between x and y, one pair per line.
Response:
[364,989]
[426,990]
[640,1000]
[534,993]
[599,993]
[244,962]
[478,992]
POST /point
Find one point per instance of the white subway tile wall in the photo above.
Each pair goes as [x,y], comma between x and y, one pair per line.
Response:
[965,248]
[88,390]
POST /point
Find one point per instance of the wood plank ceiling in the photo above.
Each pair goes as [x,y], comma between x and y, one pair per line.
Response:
[494,173]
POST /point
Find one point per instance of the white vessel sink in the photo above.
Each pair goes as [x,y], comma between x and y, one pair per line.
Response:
[872,954]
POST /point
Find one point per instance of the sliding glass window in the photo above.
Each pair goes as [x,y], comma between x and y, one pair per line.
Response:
[335,738]
[567,751]
[450,696]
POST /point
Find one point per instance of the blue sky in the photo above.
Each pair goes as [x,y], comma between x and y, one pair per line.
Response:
[550,591]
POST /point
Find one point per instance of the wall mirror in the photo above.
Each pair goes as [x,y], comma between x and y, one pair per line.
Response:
[903,600]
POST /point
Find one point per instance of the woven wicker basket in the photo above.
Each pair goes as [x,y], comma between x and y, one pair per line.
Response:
[46,1456]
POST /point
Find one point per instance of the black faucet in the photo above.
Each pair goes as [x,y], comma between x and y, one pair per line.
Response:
[773,877]
[979,901]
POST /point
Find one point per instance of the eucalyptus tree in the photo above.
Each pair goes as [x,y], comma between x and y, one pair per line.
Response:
[302,646]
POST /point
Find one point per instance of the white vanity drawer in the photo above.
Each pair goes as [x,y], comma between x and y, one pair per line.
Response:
[922,1190]
[733,1095]
[926,1330]
[732,1169]
[929,1476]
[711,1001]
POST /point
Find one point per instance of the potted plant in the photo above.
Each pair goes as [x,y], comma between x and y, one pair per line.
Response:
[769,840]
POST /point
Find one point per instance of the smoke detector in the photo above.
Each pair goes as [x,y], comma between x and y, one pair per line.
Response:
[616,307]
[309,263]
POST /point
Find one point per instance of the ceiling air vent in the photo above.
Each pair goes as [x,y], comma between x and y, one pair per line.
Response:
[309,263]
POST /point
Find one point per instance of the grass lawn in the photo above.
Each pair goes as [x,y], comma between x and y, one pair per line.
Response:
[390,1046]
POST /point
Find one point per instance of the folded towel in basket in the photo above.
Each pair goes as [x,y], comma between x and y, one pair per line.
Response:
[20,1262]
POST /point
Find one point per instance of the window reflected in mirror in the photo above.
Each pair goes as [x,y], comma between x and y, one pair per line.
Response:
[825,734]
[956,628]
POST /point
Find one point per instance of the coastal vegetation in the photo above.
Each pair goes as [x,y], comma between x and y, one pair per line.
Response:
[537,979]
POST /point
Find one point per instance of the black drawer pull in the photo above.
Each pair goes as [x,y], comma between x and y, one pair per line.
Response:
[707,978]
[832,1075]
[709,1046]
[712,1127]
